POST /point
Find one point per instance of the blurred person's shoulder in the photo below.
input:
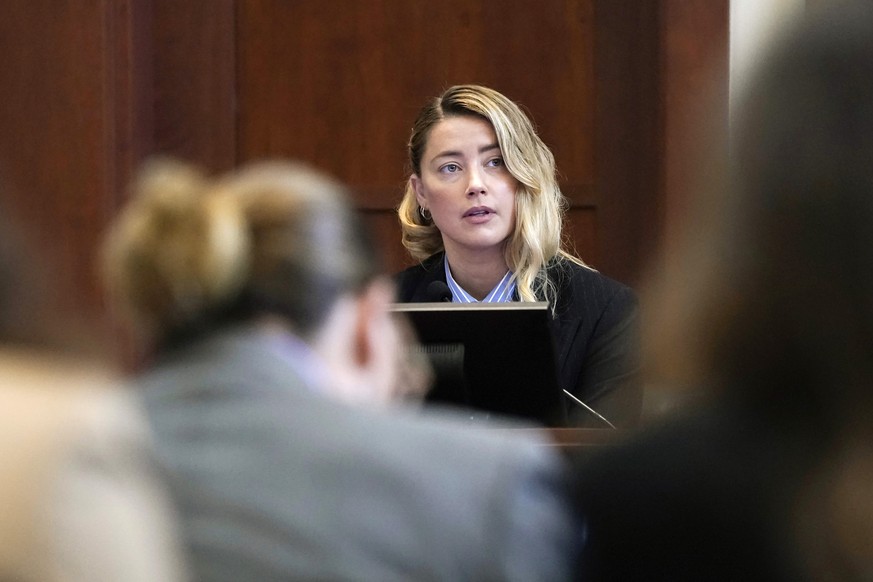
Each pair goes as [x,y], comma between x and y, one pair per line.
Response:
[64,397]
[497,485]
[37,369]
[79,483]
[457,440]
[43,392]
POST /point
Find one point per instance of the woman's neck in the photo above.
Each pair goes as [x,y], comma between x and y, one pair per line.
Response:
[477,274]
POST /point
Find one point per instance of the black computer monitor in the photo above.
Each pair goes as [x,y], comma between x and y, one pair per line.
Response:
[491,358]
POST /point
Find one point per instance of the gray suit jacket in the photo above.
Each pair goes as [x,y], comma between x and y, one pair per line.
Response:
[275,482]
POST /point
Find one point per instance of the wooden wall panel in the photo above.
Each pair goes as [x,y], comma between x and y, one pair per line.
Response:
[609,84]
[386,235]
[581,232]
[93,86]
[339,83]
[658,65]
[694,85]
[195,81]
[71,123]
[627,136]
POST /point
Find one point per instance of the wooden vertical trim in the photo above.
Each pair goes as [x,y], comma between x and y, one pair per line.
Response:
[128,114]
[695,87]
[128,94]
[628,135]
[196,81]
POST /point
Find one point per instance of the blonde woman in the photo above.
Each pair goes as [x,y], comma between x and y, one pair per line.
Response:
[483,213]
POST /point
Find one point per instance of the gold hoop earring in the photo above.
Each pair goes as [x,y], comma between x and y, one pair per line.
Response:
[422,211]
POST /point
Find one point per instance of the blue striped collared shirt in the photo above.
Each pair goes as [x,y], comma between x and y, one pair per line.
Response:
[503,292]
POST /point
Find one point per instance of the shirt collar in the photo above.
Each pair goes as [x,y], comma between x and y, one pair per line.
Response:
[301,357]
[503,292]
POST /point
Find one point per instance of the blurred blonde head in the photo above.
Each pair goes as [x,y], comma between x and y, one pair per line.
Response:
[275,238]
[276,243]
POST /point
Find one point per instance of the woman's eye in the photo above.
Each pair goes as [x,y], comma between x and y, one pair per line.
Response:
[495,163]
[450,168]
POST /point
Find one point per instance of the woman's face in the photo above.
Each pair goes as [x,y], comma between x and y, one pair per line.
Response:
[466,186]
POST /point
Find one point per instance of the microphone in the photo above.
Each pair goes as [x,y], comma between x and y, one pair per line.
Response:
[438,292]
[588,408]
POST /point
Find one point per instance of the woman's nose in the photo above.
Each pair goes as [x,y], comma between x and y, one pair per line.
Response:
[476,185]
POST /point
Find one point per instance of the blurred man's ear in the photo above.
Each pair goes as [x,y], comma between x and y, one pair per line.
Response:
[358,343]
[368,349]
[372,335]
[387,357]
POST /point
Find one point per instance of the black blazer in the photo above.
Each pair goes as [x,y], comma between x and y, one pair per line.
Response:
[595,332]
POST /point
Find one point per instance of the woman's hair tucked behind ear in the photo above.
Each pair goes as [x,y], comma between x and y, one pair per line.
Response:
[273,238]
[540,206]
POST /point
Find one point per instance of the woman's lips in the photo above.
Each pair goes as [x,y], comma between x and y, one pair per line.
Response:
[479,215]
[478,211]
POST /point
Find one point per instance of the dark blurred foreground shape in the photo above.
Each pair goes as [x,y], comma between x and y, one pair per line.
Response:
[768,313]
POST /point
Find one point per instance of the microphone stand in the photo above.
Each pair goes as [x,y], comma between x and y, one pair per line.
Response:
[589,409]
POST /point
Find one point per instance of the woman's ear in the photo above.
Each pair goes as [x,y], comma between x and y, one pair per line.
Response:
[418,188]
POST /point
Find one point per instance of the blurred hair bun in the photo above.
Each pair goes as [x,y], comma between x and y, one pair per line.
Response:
[178,250]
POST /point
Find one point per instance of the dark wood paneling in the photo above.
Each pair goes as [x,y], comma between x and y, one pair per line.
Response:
[385,230]
[92,87]
[628,135]
[581,232]
[195,81]
[657,64]
[609,84]
[72,124]
[339,84]
[694,83]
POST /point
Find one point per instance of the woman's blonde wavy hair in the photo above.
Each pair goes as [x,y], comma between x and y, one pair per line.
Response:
[536,239]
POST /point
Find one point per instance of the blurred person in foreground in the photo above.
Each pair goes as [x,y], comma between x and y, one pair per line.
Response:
[771,312]
[276,361]
[80,499]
